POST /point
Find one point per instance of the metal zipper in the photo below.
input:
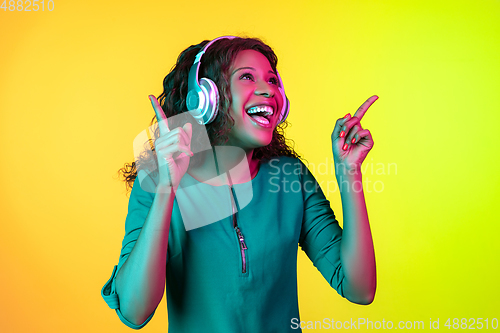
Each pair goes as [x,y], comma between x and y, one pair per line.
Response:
[241,239]
[243,247]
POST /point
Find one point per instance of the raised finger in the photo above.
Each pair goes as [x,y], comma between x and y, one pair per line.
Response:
[363,108]
[160,115]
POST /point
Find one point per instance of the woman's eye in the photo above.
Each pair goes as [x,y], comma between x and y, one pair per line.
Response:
[246,76]
[273,80]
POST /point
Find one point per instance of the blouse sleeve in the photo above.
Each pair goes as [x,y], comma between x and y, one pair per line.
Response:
[138,208]
[320,235]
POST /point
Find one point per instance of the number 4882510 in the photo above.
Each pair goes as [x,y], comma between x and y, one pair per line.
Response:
[472,323]
[27,5]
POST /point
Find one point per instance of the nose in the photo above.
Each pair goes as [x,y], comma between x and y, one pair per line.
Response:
[264,89]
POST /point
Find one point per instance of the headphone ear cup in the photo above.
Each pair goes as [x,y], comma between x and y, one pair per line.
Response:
[210,107]
[286,106]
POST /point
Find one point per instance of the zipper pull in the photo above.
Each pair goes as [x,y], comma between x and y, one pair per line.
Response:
[242,240]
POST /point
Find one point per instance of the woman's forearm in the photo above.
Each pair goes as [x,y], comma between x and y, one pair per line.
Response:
[357,253]
[140,282]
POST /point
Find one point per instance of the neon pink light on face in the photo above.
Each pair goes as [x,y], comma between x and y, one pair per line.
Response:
[253,83]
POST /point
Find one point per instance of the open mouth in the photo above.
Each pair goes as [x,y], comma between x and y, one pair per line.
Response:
[261,114]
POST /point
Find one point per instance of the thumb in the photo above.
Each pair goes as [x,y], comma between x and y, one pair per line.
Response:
[188,128]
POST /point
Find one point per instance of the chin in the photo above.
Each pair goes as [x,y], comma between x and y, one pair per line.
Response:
[262,144]
[252,138]
[263,141]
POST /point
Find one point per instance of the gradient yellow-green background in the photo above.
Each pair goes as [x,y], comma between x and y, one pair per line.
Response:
[74,85]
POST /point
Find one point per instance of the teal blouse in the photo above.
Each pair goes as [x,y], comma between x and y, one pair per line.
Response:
[239,273]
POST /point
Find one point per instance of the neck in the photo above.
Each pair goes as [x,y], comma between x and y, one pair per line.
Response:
[240,164]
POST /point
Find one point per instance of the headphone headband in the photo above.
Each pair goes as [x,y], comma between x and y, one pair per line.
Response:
[203,96]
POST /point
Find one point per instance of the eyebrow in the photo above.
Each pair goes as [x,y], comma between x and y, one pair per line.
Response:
[251,68]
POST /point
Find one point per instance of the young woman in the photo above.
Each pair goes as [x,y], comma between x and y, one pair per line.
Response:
[236,271]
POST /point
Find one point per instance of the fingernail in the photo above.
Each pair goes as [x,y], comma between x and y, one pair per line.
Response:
[345,147]
[342,134]
[353,140]
[347,115]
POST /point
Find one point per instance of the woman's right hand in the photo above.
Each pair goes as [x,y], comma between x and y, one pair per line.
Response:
[173,149]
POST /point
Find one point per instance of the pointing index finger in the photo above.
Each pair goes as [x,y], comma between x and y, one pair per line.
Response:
[160,115]
[363,108]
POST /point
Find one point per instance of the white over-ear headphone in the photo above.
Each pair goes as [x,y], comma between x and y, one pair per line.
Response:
[203,96]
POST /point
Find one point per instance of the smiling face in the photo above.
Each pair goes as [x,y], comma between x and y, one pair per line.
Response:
[256,100]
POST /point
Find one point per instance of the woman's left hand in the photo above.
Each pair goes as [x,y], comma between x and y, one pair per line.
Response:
[350,142]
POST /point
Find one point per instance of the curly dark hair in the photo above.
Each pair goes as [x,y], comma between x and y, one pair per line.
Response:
[215,65]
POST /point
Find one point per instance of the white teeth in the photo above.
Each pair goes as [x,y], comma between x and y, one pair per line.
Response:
[261,108]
